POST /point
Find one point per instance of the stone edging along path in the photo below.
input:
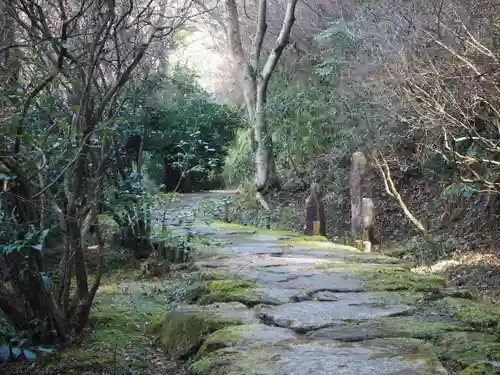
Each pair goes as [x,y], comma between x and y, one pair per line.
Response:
[281,304]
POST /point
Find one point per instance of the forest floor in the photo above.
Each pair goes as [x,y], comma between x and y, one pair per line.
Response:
[272,302]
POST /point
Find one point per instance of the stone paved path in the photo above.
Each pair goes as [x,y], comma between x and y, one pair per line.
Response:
[277,303]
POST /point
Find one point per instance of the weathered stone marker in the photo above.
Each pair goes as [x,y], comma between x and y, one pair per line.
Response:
[358,161]
[368,211]
[226,212]
[315,223]
[362,209]
[346,238]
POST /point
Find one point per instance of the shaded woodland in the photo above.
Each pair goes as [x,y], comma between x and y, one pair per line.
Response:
[98,126]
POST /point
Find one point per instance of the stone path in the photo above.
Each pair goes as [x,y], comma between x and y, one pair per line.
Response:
[277,303]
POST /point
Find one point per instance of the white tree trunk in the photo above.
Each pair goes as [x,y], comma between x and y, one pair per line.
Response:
[266,177]
[254,82]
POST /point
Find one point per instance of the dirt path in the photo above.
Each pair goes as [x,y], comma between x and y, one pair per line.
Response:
[276,303]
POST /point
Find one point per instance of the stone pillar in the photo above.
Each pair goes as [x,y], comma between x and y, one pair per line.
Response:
[315,223]
[358,166]
[368,211]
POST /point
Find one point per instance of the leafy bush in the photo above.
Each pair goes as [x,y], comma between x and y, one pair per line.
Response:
[189,132]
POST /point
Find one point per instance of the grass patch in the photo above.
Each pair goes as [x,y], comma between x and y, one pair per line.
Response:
[219,225]
[123,326]
[459,350]
[477,314]
[388,278]
[231,291]
[481,369]
[115,342]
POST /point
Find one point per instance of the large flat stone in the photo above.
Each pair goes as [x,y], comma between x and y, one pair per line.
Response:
[246,335]
[403,326]
[377,357]
[334,282]
[185,328]
[313,315]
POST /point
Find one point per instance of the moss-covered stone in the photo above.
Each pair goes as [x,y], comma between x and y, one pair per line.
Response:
[211,274]
[185,329]
[388,278]
[385,327]
[182,334]
[461,349]
[336,266]
[246,228]
[309,241]
[477,314]
[232,291]
[400,297]
[303,357]
[481,369]
[231,361]
[245,335]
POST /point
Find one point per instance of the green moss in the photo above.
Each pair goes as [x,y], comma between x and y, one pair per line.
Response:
[408,326]
[408,349]
[357,267]
[264,359]
[388,278]
[461,349]
[200,367]
[481,369]
[231,361]
[229,286]
[225,337]
[313,242]
[212,274]
[232,291]
[479,315]
[237,227]
[392,327]
[183,332]
[117,332]
[214,364]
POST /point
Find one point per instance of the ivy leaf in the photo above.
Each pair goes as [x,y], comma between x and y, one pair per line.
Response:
[4,353]
[29,355]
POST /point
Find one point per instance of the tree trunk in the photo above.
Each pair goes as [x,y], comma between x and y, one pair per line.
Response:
[254,81]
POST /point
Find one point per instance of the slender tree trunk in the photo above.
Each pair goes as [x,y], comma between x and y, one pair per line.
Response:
[254,80]
[266,177]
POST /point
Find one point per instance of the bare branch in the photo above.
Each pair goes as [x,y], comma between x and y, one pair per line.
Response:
[281,42]
[261,32]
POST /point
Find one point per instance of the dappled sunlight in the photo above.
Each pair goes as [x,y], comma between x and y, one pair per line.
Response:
[437,267]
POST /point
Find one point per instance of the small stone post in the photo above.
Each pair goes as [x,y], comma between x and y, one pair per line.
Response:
[315,223]
[346,238]
[358,165]
[226,212]
[367,246]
